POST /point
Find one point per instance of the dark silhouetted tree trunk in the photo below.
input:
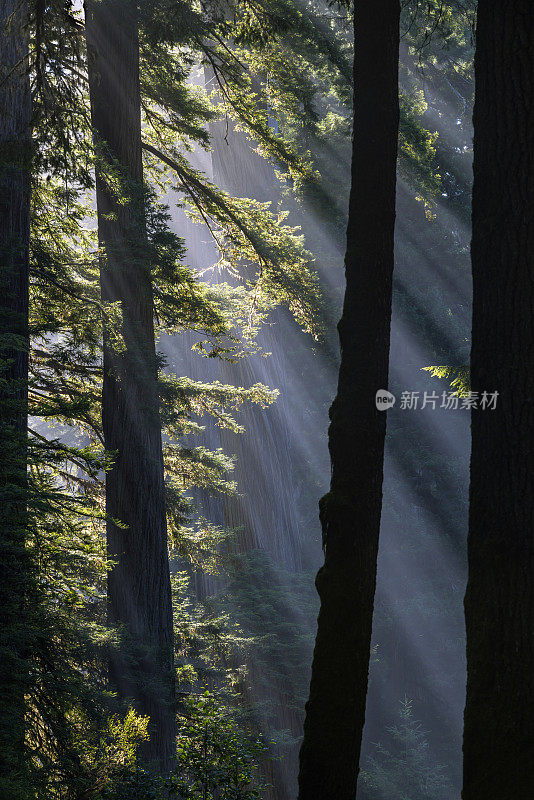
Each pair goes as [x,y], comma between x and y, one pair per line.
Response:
[499,602]
[139,595]
[15,147]
[350,512]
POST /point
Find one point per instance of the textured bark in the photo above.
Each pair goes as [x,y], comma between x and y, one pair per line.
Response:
[499,602]
[15,144]
[350,512]
[139,596]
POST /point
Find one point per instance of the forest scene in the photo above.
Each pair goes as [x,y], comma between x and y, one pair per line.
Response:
[266,400]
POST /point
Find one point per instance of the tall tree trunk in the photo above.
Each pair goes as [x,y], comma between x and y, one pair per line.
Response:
[264,512]
[350,512]
[139,595]
[15,159]
[499,602]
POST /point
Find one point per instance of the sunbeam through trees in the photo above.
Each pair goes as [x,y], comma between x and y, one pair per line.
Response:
[266,400]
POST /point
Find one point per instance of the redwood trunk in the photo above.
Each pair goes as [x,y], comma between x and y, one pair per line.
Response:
[350,512]
[139,595]
[499,602]
[264,512]
[15,159]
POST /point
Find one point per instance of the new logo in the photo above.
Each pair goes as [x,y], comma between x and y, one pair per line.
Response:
[384,400]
